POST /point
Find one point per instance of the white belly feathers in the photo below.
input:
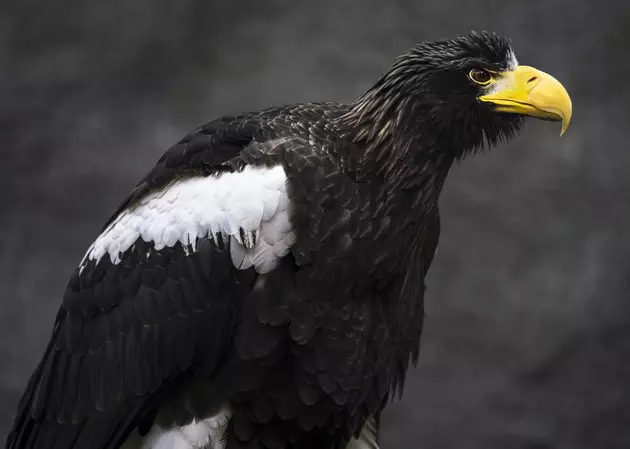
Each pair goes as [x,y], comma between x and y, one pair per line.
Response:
[206,434]
[210,434]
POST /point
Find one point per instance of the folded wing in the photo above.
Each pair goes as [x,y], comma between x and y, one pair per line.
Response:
[157,296]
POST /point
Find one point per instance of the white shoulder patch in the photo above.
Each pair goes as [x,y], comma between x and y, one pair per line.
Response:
[250,208]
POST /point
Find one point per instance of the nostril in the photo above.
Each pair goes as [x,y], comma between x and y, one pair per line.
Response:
[532,79]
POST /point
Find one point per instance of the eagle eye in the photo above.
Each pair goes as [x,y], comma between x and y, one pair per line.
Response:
[480,76]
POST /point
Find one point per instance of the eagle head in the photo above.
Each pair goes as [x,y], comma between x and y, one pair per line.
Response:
[461,93]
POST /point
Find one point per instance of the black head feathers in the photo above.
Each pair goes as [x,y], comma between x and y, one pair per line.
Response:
[427,106]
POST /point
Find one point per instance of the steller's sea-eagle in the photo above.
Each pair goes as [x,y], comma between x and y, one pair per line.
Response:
[262,287]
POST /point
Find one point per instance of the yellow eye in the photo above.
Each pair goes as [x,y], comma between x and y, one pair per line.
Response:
[480,76]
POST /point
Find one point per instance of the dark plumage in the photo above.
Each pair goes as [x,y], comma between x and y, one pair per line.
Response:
[272,265]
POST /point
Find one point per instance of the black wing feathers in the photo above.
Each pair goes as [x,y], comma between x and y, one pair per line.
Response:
[128,330]
[104,365]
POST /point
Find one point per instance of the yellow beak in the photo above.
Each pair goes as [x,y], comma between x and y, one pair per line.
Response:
[528,91]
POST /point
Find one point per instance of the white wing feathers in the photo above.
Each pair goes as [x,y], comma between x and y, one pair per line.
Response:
[250,208]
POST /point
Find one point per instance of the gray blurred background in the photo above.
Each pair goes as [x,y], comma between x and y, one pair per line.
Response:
[527,342]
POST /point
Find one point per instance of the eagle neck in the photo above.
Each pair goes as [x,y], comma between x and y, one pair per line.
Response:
[403,144]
